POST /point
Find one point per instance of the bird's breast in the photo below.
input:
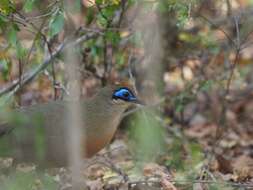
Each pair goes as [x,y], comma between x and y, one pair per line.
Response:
[99,135]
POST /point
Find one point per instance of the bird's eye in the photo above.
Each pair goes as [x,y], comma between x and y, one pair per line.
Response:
[123,94]
[126,94]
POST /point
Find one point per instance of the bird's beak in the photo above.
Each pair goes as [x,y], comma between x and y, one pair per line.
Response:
[137,101]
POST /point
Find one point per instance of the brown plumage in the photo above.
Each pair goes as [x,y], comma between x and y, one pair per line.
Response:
[45,142]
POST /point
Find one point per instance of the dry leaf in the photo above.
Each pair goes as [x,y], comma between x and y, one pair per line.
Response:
[201,131]
[167,185]
[243,168]
[95,184]
[224,165]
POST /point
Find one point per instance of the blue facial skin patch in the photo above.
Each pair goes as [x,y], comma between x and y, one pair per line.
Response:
[124,94]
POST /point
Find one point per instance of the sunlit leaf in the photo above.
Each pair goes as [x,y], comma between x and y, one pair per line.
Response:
[6,7]
[29,5]
[56,23]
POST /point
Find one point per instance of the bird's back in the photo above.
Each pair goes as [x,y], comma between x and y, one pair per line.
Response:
[41,137]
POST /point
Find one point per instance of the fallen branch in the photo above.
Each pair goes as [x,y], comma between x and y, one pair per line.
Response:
[191,182]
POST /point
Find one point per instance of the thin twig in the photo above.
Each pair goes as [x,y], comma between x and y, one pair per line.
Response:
[218,27]
[29,76]
[222,121]
[53,70]
[122,11]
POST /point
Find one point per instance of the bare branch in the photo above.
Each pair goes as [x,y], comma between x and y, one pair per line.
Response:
[29,76]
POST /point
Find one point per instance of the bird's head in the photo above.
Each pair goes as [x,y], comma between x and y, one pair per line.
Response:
[124,95]
[120,95]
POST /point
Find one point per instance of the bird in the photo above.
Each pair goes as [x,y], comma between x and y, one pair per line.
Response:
[37,134]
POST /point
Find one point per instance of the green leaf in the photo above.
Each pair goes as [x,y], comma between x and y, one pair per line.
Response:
[176,151]
[90,15]
[106,14]
[99,2]
[12,35]
[120,59]
[5,68]
[109,11]
[101,20]
[196,153]
[3,21]
[21,51]
[29,5]
[206,85]
[179,108]
[113,37]
[6,7]
[56,23]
